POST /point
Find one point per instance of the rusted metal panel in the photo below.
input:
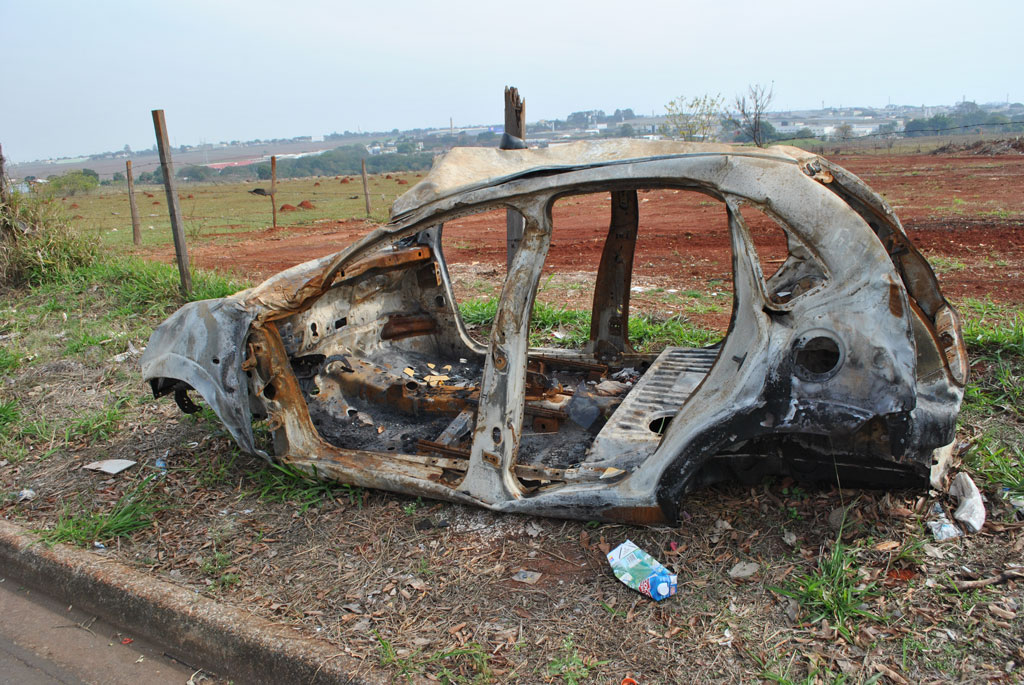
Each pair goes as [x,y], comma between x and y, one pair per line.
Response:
[609,321]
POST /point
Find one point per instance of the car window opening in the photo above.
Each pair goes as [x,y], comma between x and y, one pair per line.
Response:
[660,295]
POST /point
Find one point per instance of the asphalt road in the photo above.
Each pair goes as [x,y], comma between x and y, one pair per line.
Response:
[42,643]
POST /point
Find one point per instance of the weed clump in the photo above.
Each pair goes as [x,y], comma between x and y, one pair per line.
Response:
[133,511]
[38,242]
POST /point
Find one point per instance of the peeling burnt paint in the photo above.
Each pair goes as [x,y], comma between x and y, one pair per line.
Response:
[845,363]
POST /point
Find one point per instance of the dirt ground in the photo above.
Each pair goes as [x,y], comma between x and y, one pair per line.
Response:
[964,213]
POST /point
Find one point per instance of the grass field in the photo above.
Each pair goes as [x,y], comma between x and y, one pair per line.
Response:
[210,209]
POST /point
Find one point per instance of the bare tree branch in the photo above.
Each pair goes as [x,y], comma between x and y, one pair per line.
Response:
[752,107]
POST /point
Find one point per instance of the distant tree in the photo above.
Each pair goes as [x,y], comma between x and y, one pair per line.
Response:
[752,107]
[406,148]
[940,123]
[579,119]
[626,131]
[844,131]
[155,177]
[485,138]
[970,114]
[118,177]
[127,149]
[71,183]
[1000,124]
[804,133]
[697,118]
[193,172]
[90,172]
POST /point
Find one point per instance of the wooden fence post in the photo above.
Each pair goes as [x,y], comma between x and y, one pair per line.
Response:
[167,165]
[273,187]
[366,192]
[515,125]
[136,225]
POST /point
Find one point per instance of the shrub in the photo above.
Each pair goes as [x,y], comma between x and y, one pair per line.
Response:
[38,242]
[71,183]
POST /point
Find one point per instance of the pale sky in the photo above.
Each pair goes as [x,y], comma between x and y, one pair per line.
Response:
[81,77]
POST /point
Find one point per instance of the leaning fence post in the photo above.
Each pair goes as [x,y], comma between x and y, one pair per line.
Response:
[366,192]
[136,226]
[167,166]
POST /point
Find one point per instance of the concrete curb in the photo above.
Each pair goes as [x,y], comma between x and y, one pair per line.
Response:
[222,639]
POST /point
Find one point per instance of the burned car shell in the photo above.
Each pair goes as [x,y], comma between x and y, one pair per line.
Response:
[846,364]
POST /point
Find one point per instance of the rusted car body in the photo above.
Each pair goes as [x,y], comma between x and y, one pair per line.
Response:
[845,364]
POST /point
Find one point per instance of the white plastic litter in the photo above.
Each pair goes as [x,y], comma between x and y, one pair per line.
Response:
[111,466]
[942,528]
[971,511]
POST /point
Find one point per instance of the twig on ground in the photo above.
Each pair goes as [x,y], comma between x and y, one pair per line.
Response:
[1008,574]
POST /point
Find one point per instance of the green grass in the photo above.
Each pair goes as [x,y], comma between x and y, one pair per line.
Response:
[833,591]
[1000,465]
[446,666]
[570,667]
[998,390]
[450,664]
[88,427]
[560,327]
[994,397]
[9,416]
[133,511]
[94,311]
[215,567]
[97,426]
[137,287]
[82,339]
[993,330]
[943,264]
[777,672]
[287,484]
[10,360]
[214,470]
[215,564]
[389,658]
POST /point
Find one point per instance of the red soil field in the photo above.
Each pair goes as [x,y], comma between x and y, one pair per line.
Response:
[965,213]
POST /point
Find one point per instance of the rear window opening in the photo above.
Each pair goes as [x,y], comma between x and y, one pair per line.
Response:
[787,265]
[656,329]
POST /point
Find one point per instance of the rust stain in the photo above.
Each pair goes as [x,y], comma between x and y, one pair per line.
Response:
[644,516]
[399,327]
[895,301]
